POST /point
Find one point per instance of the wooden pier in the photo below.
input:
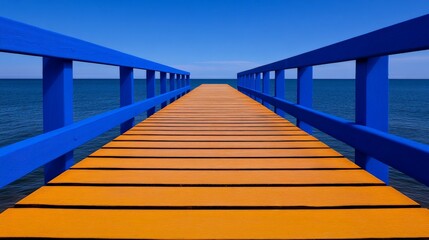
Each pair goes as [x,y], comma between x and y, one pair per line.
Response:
[215,164]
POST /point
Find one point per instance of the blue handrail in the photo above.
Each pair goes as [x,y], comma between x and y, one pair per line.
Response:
[53,149]
[375,148]
[25,39]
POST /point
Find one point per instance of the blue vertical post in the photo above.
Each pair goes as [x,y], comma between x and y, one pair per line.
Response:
[372,107]
[150,89]
[126,76]
[266,86]
[258,85]
[239,81]
[172,84]
[252,83]
[244,81]
[305,93]
[57,107]
[163,86]
[248,84]
[178,84]
[188,82]
[182,84]
[280,89]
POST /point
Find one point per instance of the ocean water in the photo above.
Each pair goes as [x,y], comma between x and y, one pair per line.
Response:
[21,118]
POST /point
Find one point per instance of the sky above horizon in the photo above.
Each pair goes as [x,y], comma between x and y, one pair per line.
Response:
[213,39]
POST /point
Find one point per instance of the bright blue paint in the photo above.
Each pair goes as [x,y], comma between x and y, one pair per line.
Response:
[188,81]
[403,37]
[279,89]
[177,84]
[57,107]
[14,38]
[21,158]
[403,154]
[126,76]
[244,81]
[150,89]
[163,87]
[208,23]
[54,148]
[369,134]
[305,93]
[251,80]
[266,86]
[172,84]
[372,107]
[180,83]
[183,82]
[258,84]
[248,81]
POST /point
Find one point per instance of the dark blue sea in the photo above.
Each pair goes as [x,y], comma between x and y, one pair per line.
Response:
[21,118]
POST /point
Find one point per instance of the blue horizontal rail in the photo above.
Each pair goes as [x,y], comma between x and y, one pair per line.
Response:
[16,37]
[411,157]
[54,148]
[375,149]
[21,158]
[409,36]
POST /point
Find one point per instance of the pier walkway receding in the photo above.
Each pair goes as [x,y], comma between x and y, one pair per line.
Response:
[215,164]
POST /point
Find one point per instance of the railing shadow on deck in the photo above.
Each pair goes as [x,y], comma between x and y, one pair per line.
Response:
[375,149]
[54,148]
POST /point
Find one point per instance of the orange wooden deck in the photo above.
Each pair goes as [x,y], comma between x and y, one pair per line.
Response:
[215,165]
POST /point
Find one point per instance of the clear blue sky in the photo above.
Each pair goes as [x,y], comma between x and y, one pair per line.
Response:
[213,39]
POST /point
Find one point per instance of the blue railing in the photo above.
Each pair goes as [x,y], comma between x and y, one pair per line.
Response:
[54,148]
[375,148]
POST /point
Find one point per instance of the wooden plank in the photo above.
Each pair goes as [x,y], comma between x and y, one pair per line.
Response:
[228,153]
[219,224]
[214,145]
[218,120]
[211,121]
[215,163]
[218,177]
[225,113]
[217,128]
[233,155]
[214,117]
[254,111]
[215,111]
[217,133]
[213,138]
[218,197]
[236,124]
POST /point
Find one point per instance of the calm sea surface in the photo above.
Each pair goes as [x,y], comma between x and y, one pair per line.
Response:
[21,117]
